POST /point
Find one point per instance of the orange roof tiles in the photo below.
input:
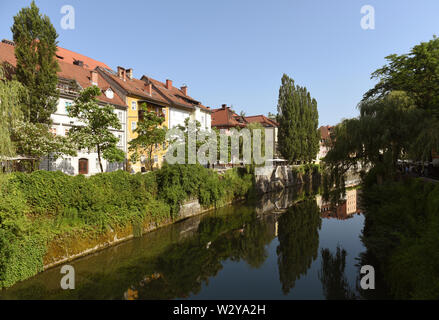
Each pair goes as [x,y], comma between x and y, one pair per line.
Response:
[83,77]
[135,87]
[265,121]
[67,70]
[226,118]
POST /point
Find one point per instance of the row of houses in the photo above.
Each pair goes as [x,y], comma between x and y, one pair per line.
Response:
[126,94]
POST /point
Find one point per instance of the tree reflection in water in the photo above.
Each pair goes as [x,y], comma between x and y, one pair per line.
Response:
[332,275]
[298,236]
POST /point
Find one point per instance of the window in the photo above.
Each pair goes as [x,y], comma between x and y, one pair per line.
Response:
[53,131]
[133,125]
[67,104]
[133,105]
[66,131]
[156,159]
[97,163]
[164,112]
[119,115]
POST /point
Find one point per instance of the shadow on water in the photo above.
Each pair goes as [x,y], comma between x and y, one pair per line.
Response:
[273,244]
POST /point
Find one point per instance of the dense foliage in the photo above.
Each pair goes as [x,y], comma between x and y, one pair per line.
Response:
[36,208]
[402,233]
[298,122]
[398,120]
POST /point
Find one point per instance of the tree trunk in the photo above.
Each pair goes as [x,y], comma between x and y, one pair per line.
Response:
[99,158]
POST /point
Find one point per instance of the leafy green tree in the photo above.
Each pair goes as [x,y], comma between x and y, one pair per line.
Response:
[35,140]
[98,120]
[35,49]
[11,96]
[298,121]
[150,136]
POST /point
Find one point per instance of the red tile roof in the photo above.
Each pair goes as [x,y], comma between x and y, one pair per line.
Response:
[226,118]
[135,87]
[83,77]
[263,120]
[70,56]
[7,54]
[68,70]
[175,95]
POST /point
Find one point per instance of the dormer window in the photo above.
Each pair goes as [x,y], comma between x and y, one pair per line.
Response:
[109,93]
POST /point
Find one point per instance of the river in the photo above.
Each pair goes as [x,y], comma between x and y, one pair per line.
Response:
[285,246]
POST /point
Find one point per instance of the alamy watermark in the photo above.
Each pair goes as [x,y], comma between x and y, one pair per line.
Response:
[68,281]
[229,146]
[68,20]
[367,22]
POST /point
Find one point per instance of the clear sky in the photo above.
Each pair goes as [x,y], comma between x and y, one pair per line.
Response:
[236,51]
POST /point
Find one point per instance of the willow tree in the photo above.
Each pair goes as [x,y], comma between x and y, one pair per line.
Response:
[35,49]
[298,136]
[385,131]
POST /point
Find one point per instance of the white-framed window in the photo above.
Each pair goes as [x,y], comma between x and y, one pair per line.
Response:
[120,142]
[164,112]
[156,159]
[119,115]
[134,105]
[133,125]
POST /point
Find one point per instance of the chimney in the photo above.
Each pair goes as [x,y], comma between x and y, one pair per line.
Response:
[130,73]
[168,84]
[184,89]
[121,73]
[94,77]
[149,88]
[224,106]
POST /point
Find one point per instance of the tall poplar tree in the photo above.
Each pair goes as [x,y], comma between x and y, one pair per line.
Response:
[35,49]
[298,136]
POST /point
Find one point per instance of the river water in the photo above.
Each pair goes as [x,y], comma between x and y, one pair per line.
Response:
[284,246]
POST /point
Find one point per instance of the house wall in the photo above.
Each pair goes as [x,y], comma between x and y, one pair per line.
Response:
[61,124]
[133,119]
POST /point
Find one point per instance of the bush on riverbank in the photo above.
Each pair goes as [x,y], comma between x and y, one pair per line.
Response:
[402,232]
[38,207]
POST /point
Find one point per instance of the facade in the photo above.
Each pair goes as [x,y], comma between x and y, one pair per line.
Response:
[268,124]
[325,133]
[75,75]
[136,92]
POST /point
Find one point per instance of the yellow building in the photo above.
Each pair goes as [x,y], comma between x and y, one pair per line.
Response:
[137,92]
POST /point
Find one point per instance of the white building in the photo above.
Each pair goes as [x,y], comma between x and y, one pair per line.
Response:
[71,79]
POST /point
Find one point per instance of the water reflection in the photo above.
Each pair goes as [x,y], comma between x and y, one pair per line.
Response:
[181,261]
[298,241]
[332,275]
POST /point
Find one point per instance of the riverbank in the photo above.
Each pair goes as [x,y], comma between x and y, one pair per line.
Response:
[48,218]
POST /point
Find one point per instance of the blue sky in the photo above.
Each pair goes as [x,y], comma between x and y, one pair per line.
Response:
[235,52]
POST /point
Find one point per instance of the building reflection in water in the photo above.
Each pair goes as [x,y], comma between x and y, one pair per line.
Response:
[345,209]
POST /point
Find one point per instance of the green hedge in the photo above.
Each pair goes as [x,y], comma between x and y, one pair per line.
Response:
[36,207]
